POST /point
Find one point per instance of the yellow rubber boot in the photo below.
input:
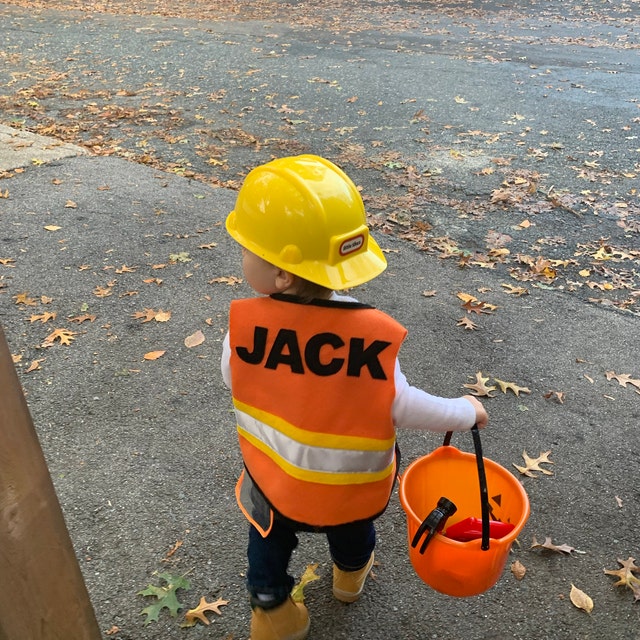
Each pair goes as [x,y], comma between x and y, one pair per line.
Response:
[289,621]
[348,585]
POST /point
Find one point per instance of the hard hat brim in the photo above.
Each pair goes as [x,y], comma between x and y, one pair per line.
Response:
[350,272]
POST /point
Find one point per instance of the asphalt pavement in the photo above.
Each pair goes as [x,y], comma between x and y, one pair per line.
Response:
[124,262]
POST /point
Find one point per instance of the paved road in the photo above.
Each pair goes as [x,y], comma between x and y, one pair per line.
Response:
[143,452]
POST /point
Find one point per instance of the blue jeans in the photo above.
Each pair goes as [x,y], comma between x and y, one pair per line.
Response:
[350,546]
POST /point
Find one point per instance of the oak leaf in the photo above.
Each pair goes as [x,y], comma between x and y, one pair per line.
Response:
[626,577]
[532,464]
[147,315]
[165,595]
[467,323]
[517,291]
[547,544]
[511,386]
[64,336]
[103,292]
[43,317]
[125,269]
[23,298]
[473,306]
[479,387]
[192,616]
[580,599]
[623,379]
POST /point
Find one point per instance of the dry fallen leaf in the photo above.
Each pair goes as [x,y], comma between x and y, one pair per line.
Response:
[64,336]
[192,616]
[558,396]
[532,464]
[626,576]
[194,339]
[623,379]
[230,280]
[580,599]
[547,544]
[467,323]
[479,387]
[511,386]
[154,355]
[518,570]
[43,317]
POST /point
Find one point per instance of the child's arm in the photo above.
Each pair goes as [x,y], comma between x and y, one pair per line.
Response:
[414,408]
[224,361]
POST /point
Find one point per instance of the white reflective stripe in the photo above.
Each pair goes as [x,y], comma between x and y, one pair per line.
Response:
[312,458]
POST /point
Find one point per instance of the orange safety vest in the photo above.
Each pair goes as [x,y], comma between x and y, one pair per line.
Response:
[313,388]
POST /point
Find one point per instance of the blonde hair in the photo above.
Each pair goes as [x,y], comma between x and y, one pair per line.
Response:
[308,291]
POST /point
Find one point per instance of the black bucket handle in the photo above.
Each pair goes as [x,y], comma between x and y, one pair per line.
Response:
[482,478]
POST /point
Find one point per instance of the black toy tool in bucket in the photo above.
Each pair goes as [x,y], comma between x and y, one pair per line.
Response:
[470,508]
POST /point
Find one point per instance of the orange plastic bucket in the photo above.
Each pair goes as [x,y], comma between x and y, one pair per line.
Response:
[461,568]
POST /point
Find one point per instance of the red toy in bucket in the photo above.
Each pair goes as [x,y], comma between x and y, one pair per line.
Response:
[461,554]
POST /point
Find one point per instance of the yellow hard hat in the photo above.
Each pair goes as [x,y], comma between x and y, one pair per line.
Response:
[305,215]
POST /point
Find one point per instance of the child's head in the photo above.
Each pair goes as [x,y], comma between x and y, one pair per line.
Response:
[304,217]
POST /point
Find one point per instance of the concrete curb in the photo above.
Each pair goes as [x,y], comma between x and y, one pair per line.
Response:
[22,148]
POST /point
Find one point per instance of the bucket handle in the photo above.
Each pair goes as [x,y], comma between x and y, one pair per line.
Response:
[482,478]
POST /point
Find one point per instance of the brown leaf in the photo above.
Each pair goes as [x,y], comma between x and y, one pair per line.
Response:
[103,292]
[194,339]
[518,569]
[230,280]
[154,355]
[625,576]
[147,315]
[34,366]
[547,544]
[623,379]
[23,298]
[64,336]
[480,388]
[43,317]
[517,291]
[556,395]
[534,464]
[192,616]
[580,599]
[467,323]
[511,386]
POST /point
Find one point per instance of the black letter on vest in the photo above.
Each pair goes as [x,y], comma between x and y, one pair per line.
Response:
[360,357]
[259,344]
[312,354]
[288,339]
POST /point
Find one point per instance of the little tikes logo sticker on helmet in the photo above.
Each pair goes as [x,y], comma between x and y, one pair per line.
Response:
[351,245]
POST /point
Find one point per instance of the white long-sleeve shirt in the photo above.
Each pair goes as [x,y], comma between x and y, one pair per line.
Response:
[412,408]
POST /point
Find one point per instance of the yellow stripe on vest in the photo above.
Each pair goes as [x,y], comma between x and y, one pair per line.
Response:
[309,438]
[321,477]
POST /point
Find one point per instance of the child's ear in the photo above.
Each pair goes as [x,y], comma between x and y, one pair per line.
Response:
[284,280]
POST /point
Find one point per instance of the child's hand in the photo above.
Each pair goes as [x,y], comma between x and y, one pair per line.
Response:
[482,417]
